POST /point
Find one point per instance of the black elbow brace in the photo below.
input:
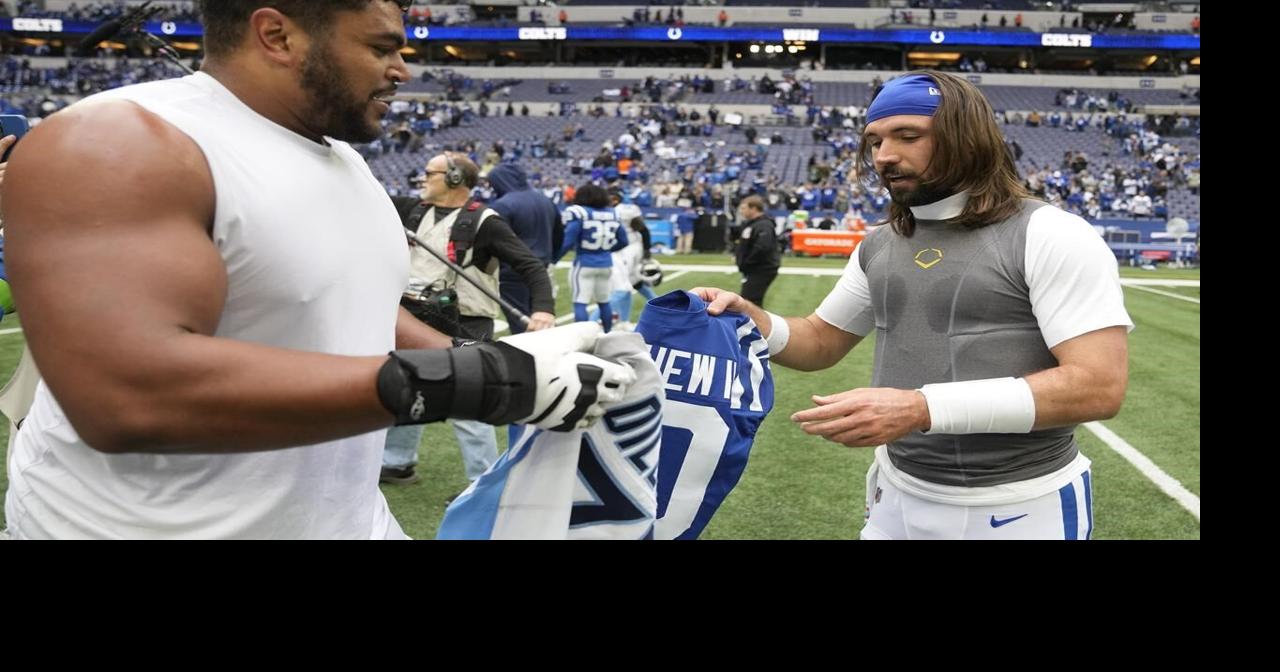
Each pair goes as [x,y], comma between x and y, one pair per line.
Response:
[490,382]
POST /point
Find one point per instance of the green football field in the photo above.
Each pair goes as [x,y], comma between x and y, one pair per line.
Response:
[801,487]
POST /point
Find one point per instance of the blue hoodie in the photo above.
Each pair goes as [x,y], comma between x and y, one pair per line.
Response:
[531,215]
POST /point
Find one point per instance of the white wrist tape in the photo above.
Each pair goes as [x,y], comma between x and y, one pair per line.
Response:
[779,333]
[991,406]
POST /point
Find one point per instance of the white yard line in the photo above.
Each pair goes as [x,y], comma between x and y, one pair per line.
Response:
[1163,293]
[1170,485]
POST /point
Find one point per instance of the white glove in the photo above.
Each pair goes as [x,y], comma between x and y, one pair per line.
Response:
[571,385]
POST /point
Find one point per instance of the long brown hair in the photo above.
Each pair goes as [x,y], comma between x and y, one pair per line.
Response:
[969,154]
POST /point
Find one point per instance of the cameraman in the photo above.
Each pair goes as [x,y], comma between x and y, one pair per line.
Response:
[477,239]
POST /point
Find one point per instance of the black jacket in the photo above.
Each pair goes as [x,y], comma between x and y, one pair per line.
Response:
[757,248]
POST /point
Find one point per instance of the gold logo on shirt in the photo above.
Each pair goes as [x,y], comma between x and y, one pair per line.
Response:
[927,257]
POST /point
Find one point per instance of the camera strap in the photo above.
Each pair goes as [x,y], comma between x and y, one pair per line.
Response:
[462,234]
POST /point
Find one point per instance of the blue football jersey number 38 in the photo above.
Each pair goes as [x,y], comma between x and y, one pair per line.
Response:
[598,235]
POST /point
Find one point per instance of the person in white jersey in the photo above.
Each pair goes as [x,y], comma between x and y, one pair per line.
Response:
[999,323]
[210,278]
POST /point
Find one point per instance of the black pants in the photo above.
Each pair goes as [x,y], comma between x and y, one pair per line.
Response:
[756,283]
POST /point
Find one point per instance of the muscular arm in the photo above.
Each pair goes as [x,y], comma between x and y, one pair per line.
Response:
[815,344]
[122,289]
[1089,382]
[5,143]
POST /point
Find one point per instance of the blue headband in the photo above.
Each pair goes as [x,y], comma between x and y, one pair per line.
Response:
[912,94]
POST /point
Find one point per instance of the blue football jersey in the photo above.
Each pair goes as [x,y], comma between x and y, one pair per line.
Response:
[595,483]
[715,375]
[594,234]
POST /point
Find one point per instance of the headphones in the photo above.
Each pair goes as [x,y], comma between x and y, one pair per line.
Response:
[453,177]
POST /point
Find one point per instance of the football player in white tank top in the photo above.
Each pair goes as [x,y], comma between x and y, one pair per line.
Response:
[209,274]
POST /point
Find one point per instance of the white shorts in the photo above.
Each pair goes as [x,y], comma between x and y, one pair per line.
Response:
[893,514]
[590,284]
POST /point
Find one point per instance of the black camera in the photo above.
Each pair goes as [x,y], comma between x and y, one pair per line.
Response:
[435,304]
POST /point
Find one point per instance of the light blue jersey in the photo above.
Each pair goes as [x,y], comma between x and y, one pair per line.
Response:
[596,483]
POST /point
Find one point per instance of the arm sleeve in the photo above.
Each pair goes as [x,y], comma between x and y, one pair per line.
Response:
[848,306]
[1073,277]
[646,239]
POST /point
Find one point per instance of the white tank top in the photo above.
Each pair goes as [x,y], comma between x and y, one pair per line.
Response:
[316,260]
